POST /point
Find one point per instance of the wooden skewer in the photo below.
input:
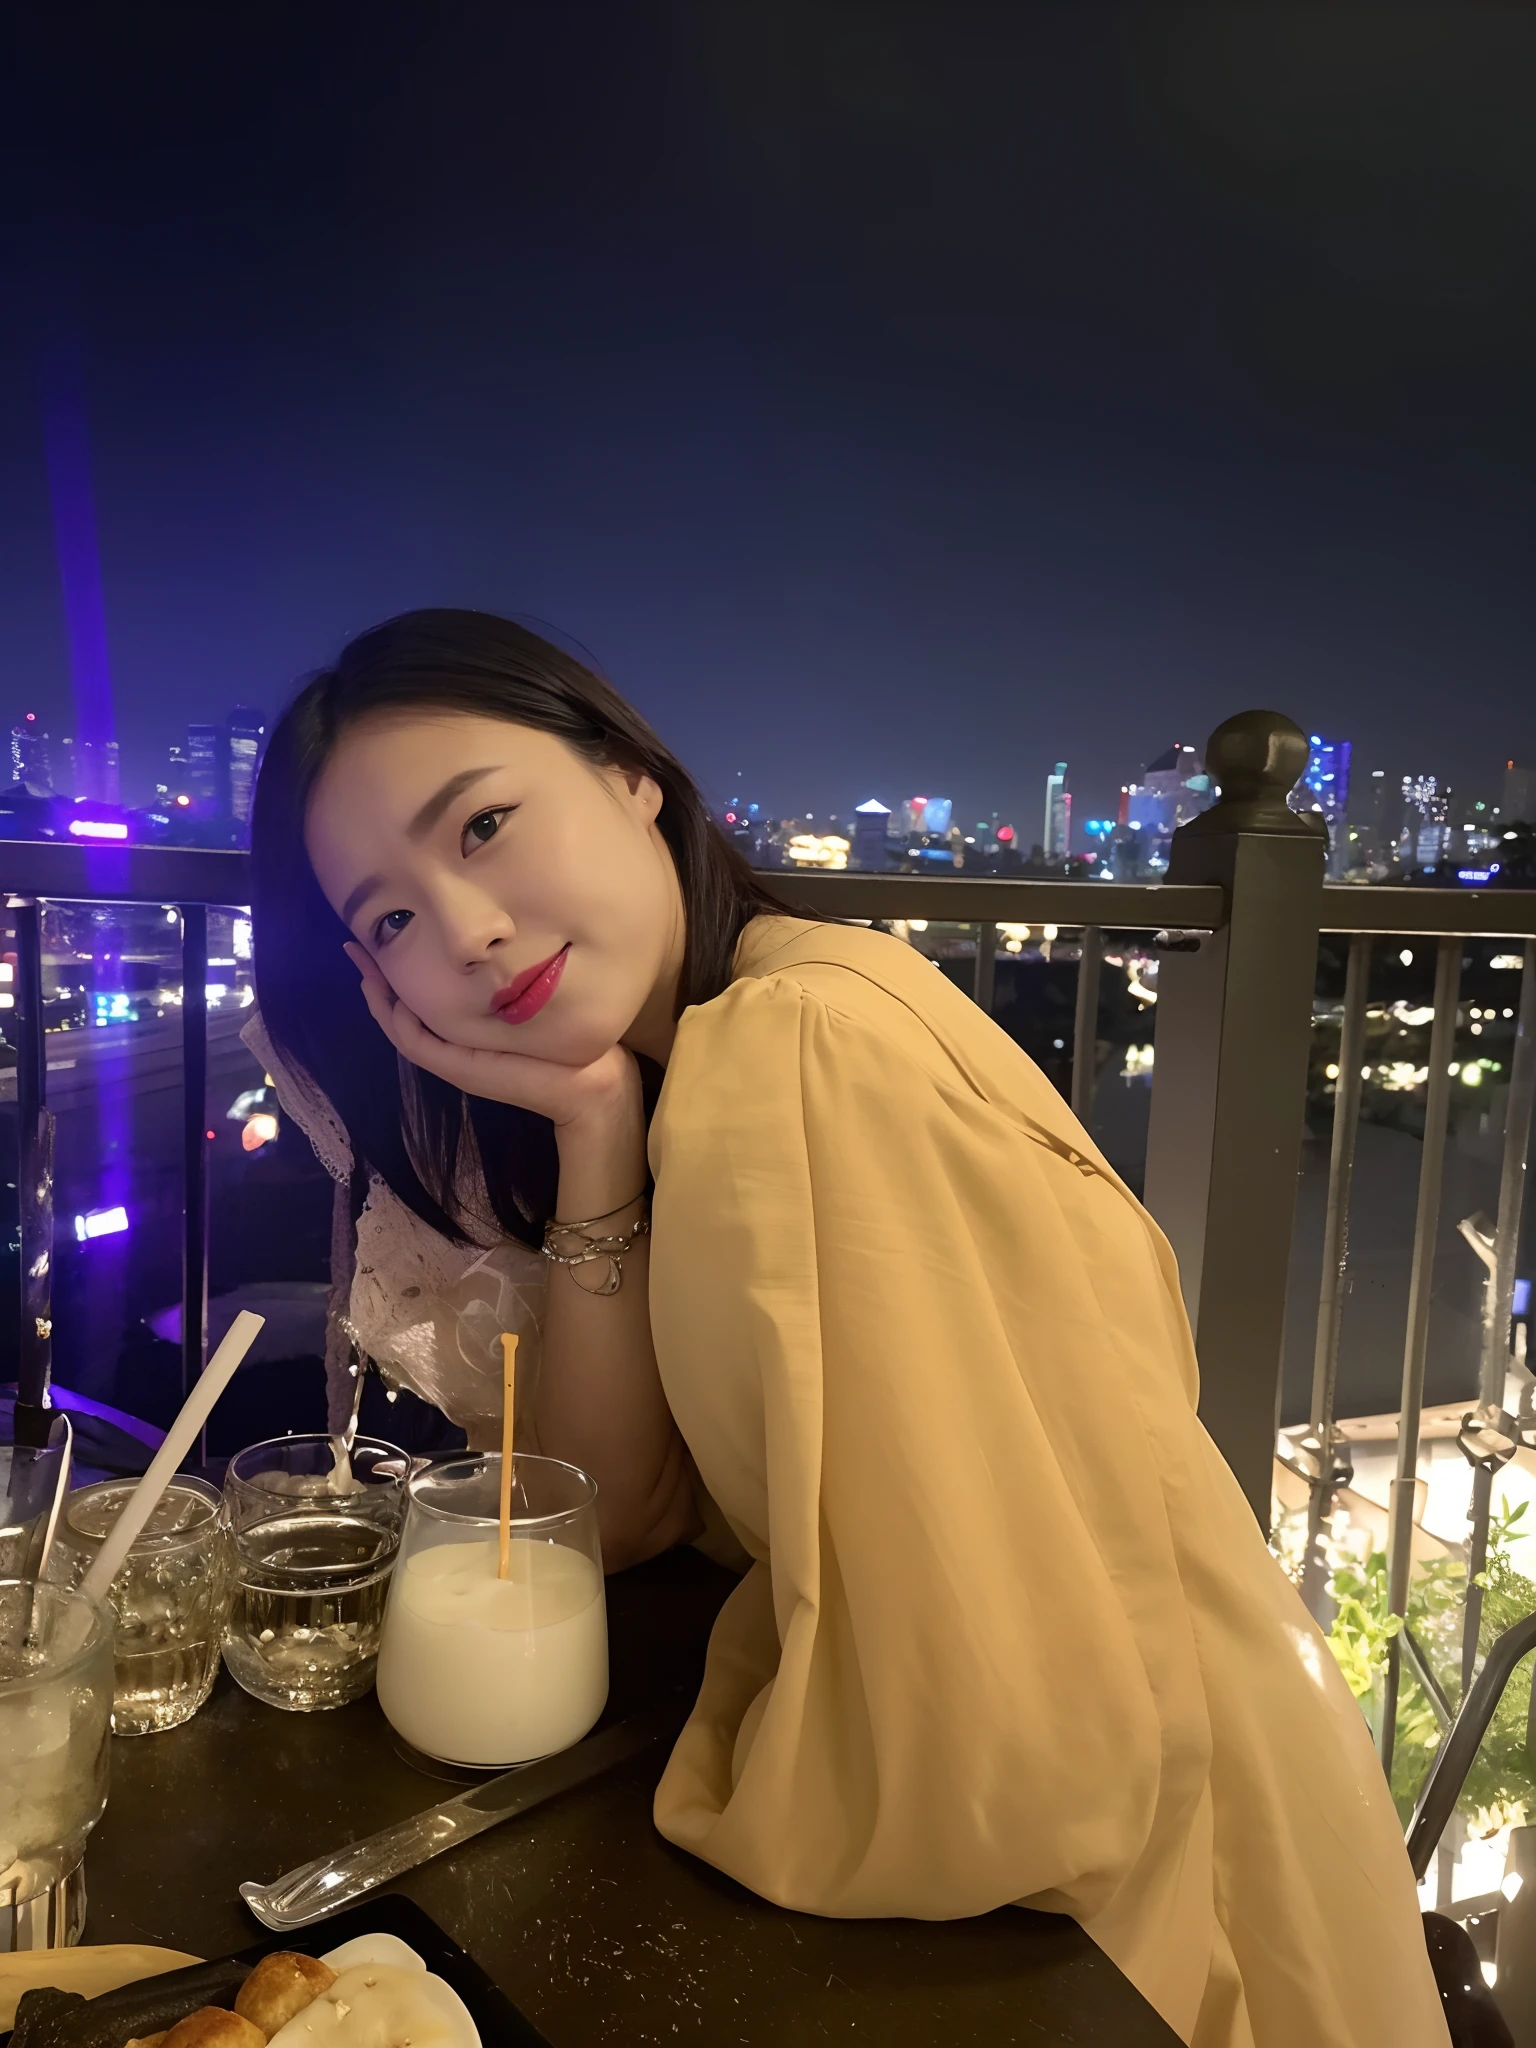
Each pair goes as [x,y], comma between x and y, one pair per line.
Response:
[508,1379]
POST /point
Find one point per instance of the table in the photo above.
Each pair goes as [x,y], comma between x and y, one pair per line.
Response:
[598,1929]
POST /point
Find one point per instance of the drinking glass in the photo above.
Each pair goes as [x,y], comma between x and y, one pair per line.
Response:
[55,1716]
[170,1598]
[29,1479]
[479,1669]
[314,1547]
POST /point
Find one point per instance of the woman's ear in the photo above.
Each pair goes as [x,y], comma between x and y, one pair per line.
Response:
[642,791]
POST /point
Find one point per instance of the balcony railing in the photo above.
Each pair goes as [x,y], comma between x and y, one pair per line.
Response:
[1235,929]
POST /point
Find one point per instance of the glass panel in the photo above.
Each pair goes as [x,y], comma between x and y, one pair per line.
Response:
[113,1012]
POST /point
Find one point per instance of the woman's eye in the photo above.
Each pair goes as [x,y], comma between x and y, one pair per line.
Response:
[391,922]
[482,826]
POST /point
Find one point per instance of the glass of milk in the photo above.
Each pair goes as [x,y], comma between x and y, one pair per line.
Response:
[479,1669]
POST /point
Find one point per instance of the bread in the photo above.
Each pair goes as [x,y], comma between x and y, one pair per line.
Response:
[212,2027]
[282,1984]
[147,2040]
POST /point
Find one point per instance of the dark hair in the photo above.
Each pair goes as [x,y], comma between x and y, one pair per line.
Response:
[311,1001]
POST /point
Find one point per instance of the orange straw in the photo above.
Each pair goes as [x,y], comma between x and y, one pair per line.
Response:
[508,1377]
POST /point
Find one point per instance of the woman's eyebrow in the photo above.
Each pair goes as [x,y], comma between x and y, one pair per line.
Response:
[435,806]
[360,896]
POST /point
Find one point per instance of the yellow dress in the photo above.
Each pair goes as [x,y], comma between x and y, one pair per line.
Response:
[1011,1633]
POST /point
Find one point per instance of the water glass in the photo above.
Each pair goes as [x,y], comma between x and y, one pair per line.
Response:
[29,1479]
[170,1599]
[315,1542]
[485,1670]
[55,1716]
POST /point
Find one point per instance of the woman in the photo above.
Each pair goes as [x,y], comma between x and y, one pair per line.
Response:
[1010,1632]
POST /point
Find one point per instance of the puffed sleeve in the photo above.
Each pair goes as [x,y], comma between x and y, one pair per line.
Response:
[876,1315]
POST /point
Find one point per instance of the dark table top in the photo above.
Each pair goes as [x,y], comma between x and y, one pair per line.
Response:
[597,1928]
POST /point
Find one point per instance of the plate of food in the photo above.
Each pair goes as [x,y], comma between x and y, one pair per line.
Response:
[383,1975]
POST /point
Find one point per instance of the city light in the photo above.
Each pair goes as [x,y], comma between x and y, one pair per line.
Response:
[100,1223]
[815,850]
[97,828]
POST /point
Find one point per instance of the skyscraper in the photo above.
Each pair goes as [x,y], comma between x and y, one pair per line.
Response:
[246,729]
[1373,837]
[207,768]
[1173,789]
[1324,786]
[1057,842]
[1426,835]
[96,776]
[871,833]
[30,762]
[1519,805]
[927,814]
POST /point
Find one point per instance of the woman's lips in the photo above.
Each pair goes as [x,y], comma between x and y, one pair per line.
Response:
[525,996]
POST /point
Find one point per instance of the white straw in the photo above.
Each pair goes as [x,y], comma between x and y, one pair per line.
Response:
[216,1376]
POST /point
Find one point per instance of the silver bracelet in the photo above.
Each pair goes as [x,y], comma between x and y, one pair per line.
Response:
[607,1249]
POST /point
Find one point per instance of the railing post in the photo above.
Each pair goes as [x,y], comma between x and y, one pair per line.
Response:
[1331,1470]
[34,1181]
[984,987]
[1234,1020]
[194,1113]
[1085,1025]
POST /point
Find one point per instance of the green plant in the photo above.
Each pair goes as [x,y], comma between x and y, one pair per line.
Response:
[1503,1778]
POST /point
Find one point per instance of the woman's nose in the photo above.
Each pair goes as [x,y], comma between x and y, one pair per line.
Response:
[476,927]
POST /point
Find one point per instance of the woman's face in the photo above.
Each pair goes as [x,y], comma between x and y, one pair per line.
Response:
[513,896]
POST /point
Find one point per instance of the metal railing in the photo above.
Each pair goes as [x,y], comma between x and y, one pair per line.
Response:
[32,872]
[1236,925]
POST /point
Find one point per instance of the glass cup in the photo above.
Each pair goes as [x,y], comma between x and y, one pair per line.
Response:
[477,1669]
[29,1480]
[314,1551]
[170,1599]
[55,1716]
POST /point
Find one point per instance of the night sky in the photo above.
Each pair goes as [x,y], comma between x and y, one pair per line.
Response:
[888,397]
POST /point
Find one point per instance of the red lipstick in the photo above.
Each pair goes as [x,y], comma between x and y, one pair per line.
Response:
[527,993]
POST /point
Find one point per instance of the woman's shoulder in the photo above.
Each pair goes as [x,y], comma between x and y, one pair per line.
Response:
[846,965]
[837,986]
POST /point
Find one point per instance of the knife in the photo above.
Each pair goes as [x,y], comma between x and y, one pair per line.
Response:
[315,1890]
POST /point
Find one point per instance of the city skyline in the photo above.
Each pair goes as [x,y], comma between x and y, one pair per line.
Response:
[1380,826]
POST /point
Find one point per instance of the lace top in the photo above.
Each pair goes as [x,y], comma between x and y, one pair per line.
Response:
[428,1312]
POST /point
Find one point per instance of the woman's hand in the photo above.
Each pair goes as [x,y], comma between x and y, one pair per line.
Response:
[599,1401]
[608,1089]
